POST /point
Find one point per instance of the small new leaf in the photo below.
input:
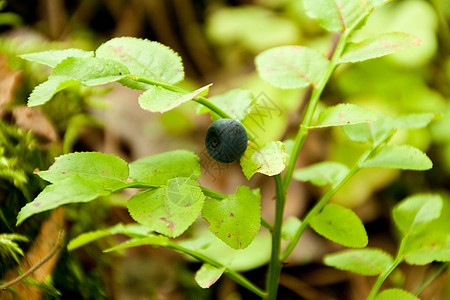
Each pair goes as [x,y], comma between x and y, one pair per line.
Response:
[291,67]
[236,219]
[207,275]
[340,225]
[269,160]
[403,157]
[377,46]
[344,114]
[366,261]
[323,173]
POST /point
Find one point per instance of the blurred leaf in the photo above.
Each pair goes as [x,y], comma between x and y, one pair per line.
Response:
[340,225]
[169,210]
[145,58]
[73,189]
[106,170]
[414,213]
[395,294]
[290,67]
[377,46]
[373,132]
[207,275]
[9,245]
[159,168]
[413,121]
[236,219]
[45,91]
[377,3]
[129,229]
[404,157]
[52,58]
[290,227]
[327,172]
[269,160]
[237,103]
[158,99]
[344,114]
[152,240]
[366,261]
[337,15]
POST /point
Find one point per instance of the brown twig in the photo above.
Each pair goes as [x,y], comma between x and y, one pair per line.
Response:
[58,245]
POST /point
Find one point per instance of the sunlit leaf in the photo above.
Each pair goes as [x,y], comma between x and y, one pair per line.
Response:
[404,157]
[269,160]
[413,121]
[395,294]
[327,172]
[53,57]
[373,132]
[207,275]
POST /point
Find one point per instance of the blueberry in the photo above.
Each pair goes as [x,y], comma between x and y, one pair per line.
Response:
[226,140]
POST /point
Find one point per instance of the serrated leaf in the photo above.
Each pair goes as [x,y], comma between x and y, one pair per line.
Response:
[71,190]
[236,219]
[290,227]
[337,15]
[152,240]
[366,261]
[395,294]
[373,132]
[169,210]
[344,114]
[377,46]
[53,57]
[403,157]
[158,99]
[88,237]
[291,67]
[237,103]
[269,160]
[432,244]
[159,168]
[145,58]
[414,213]
[340,225]
[45,91]
[106,170]
[207,275]
[323,173]
[91,71]
[413,121]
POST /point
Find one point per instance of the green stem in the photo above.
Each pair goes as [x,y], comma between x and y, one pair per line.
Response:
[431,277]
[275,264]
[398,259]
[238,278]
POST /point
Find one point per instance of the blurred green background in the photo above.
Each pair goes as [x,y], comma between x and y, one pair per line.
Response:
[217,41]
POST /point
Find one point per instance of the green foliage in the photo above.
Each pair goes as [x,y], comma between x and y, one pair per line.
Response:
[395,294]
[323,173]
[52,58]
[344,114]
[270,159]
[9,246]
[207,275]
[341,225]
[236,219]
[366,261]
[399,157]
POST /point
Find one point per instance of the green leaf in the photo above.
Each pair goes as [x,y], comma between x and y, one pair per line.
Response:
[169,210]
[105,170]
[71,190]
[366,261]
[291,67]
[395,294]
[158,99]
[90,71]
[45,91]
[414,213]
[413,121]
[9,245]
[290,227]
[327,172]
[207,275]
[269,160]
[151,239]
[432,244]
[404,157]
[377,3]
[236,219]
[344,114]
[340,225]
[129,229]
[145,58]
[377,46]
[53,57]
[373,132]
[237,103]
[337,15]
[158,169]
